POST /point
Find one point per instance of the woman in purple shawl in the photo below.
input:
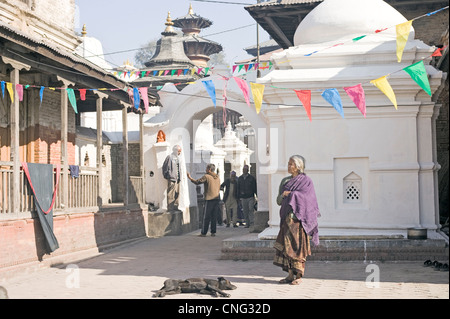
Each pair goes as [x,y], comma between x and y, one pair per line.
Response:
[298,221]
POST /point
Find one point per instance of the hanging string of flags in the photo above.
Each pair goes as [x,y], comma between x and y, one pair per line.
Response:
[154,73]
[356,93]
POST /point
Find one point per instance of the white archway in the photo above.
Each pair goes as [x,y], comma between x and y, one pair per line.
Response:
[180,116]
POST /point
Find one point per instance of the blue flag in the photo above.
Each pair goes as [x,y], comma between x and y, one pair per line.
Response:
[211,89]
[41,94]
[332,96]
[136,97]
[3,89]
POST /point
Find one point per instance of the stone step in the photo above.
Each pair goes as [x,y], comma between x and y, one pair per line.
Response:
[370,248]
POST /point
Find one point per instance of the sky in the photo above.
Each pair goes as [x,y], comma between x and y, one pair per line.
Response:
[128,25]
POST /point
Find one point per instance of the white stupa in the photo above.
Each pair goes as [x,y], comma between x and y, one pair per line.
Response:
[375,175]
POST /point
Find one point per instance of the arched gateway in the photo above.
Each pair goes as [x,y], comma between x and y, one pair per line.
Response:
[180,116]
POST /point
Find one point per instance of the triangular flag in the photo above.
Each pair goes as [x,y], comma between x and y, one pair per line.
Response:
[179,72]
[82,94]
[437,52]
[419,74]
[383,85]
[72,99]
[211,89]
[160,72]
[166,72]
[172,72]
[305,98]
[403,30]
[10,91]
[41,94]
[136,98]
[356,93]
[332,96]
[144,94]
[19,90]
[257,92]
[3,89]
[240,67]
[185,71]
[234,68]
[244,88]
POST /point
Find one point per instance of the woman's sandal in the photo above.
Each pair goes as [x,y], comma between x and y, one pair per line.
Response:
[296,281]
[427,263]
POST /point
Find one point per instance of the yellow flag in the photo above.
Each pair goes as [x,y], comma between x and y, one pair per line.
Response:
[403,30]
[10,91]
[384,86]
[257,92]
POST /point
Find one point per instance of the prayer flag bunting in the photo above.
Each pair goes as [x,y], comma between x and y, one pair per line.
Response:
[418,73]
[257,92]
[305,97]
[383,85]
[211,89]
[403,30]
[244,88]
[72,99]
[356,93]
[332,96]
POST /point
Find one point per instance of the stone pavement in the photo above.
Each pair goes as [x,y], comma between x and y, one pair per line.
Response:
[138,269]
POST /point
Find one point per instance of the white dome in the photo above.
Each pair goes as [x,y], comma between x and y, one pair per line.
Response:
[344,19]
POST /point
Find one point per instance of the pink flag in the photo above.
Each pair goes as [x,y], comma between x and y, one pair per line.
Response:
[356,93]
[144,94]
[234,68]
[244,88]
[19,90]
[305,98]
[82,94]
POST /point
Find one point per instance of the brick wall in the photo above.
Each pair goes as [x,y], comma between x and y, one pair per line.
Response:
[22,244]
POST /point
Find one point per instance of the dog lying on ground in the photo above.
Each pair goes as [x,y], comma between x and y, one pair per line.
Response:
[196,285]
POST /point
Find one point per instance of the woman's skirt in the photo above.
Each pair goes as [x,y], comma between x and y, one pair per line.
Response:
[292,246]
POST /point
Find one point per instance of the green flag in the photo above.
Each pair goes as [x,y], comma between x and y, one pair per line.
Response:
[72,99]
[419,74]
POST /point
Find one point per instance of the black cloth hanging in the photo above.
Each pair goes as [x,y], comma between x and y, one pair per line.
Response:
[40,180]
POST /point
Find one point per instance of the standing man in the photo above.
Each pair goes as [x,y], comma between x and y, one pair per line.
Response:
[212,189]
[247,193]
[230,198]
[171,172]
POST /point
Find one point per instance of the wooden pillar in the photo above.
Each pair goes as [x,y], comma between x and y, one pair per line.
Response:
[125,153]
[64,141]
[15,130]
[99,104]
[141,155]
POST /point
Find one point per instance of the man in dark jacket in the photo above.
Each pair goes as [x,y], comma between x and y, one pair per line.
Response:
[247,193]
[230,198]
[171,172]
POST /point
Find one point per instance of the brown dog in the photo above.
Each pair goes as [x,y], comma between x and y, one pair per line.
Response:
[196,285]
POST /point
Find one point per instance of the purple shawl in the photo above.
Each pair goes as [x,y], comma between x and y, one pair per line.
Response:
[303,202]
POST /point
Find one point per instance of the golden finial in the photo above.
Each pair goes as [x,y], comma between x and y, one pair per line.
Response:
[191,11]
[169,23]
[83,31]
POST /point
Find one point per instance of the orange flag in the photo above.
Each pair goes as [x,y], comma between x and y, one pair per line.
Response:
[305,98]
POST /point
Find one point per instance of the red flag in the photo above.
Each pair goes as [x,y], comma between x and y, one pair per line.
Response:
[437,52]
[305,98]
[82,94]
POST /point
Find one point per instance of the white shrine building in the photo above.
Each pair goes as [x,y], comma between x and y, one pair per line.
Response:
[373,175]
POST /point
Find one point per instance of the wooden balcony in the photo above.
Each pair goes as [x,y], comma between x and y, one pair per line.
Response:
[83,192]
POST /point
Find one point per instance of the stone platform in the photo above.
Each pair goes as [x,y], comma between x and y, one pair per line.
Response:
[368,248]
